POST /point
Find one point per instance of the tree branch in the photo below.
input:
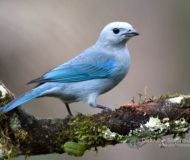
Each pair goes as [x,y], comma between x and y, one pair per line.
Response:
[23,134]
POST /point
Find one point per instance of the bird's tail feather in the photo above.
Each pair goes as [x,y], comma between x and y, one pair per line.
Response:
[36,92]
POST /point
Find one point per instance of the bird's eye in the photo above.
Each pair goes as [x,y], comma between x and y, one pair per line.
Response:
[116,30]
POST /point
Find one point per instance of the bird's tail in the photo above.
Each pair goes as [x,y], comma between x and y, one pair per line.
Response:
[36,92]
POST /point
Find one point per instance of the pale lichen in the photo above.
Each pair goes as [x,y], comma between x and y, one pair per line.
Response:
[14,122]
[4,96]
[154,128]
[182,101]
[181,125]
[3,92]
[3,150]
[110,136]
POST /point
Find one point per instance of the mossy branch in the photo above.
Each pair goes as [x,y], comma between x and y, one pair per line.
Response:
[23,134]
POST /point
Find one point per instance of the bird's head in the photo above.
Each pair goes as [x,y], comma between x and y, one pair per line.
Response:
[117,33]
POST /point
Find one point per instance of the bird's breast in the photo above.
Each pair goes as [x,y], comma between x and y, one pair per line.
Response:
[122,65]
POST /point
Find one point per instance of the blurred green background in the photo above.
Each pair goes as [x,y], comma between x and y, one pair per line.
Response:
[36,36]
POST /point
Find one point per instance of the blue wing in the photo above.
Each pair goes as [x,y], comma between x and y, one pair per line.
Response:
[74,72]
[67,72]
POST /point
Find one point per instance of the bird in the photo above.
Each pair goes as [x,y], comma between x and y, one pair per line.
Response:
[91,73]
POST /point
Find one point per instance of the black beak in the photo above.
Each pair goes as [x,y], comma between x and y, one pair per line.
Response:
[132,32]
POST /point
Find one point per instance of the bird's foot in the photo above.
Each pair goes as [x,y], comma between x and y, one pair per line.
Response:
[105,108]
[69,116]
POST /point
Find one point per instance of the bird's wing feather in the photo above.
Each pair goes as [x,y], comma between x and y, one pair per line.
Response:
[74,72]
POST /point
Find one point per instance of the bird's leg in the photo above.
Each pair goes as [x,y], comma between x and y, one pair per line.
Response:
[92,103]
[69,111]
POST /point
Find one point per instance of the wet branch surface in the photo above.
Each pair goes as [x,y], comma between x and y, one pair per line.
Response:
[23,134]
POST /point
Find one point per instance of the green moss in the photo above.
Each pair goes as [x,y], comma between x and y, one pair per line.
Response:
[3,117]
[21,134]
[84,129]
[185,102]
[168,95]
[11,127]
[81,129]
[74,148]
[84,132]
[4,100]
[88,131]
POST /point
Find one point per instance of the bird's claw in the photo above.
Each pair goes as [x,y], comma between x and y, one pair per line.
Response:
[69,116]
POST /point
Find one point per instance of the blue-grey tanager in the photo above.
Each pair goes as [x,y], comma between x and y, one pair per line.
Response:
[93,72]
